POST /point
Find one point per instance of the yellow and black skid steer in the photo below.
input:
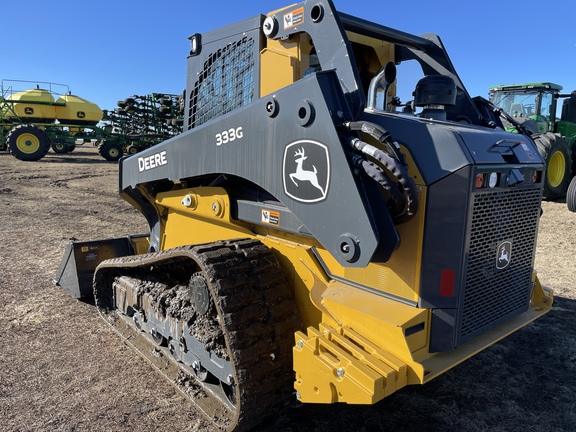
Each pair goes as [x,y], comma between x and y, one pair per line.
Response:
[310,241]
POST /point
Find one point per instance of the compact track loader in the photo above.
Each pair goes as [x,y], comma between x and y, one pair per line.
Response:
[307,241]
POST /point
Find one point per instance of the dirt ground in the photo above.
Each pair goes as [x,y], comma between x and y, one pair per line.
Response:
[63,369]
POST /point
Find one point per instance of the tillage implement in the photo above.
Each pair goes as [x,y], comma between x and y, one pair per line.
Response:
[309,239]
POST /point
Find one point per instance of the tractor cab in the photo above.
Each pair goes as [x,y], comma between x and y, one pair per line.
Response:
[532,109]
[533,104]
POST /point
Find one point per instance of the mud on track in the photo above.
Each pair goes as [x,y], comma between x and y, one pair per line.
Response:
[63,369]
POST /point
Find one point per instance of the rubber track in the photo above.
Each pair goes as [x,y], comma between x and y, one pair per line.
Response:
[257,313]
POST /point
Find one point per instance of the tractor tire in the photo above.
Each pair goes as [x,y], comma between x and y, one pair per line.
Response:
[571,196]
[110,151]
[59,147]
[28,142]
[555,151]
[574,159]
[132,149]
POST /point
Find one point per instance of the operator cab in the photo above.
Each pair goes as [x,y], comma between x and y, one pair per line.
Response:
[532,105]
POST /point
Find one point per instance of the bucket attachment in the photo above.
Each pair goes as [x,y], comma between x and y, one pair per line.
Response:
[81,259]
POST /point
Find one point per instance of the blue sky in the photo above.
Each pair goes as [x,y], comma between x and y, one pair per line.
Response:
[108,50]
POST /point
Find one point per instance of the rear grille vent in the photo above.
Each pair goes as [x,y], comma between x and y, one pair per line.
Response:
[492,295]
[528,174]
[226,83]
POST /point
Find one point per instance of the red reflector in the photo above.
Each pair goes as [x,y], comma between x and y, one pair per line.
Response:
[537,176]
[480,180]
[447,283]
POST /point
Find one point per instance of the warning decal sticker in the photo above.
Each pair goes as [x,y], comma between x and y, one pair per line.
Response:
[294,18]
[271,217]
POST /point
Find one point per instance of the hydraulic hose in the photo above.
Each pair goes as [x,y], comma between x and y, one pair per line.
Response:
[398,170]
[397,201]
[381,135]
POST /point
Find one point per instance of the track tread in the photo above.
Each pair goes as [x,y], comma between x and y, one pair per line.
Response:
[257,312]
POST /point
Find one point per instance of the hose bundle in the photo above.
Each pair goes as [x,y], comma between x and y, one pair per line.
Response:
[403,203]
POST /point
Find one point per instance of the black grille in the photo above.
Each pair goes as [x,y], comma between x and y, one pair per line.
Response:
[528,174]
[226,83]
[494,295]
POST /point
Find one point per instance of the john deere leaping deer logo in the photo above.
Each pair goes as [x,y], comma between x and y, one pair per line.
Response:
[306,171]
[503,255]
[303,175]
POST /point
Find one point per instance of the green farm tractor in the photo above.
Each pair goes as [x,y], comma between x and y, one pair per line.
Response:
[531,109]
